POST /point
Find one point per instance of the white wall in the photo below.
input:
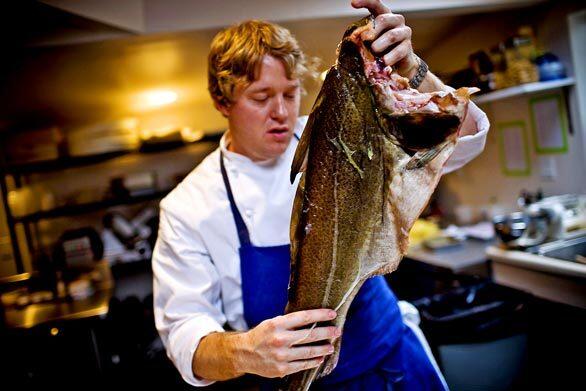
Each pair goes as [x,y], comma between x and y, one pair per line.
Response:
[482,182]
[577,27]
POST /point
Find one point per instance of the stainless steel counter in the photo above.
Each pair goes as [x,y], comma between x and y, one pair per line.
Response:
[61,309]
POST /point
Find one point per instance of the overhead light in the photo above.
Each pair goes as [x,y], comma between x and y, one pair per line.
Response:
[154,98]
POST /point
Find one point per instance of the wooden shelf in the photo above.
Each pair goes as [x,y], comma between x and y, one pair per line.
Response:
[522,89]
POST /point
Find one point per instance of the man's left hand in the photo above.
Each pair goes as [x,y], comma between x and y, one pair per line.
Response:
[390,36]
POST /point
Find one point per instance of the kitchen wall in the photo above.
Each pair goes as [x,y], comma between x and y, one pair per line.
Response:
[81,84]
[481,187]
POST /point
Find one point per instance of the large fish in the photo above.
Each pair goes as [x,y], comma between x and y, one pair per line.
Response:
[372,154]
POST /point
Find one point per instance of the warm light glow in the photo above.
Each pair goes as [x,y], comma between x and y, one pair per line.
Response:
[54,331]
[154,98]
[162,131]
[189,135]
[186,133]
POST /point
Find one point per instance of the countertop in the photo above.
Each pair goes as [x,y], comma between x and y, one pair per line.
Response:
[61,309]
[537,262]
[468,254]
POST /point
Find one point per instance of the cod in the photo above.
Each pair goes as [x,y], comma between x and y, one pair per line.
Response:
[371,155]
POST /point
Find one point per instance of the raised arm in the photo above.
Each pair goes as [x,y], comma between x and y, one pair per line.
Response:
[391,38]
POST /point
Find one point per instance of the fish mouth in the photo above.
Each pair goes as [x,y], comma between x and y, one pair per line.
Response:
[393,92]
[401,107]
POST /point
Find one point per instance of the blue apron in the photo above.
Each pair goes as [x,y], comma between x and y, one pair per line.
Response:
[378,351]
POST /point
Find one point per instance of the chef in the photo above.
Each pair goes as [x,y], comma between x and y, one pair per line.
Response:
[224,231]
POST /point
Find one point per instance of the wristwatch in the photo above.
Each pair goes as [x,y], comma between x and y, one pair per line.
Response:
[422,70]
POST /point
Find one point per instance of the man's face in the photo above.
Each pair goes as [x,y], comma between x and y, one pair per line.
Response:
[262,115]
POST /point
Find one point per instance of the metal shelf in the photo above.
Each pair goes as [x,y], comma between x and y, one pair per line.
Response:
[522,89]
[74,210]
[81,161]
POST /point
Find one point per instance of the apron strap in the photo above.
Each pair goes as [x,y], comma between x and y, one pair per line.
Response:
[243,234]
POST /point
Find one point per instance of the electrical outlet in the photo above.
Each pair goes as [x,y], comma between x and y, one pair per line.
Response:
[548,167]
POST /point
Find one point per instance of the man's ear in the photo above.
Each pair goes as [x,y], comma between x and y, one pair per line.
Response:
[222,108]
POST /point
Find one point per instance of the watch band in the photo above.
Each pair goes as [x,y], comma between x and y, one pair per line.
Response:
[420,75]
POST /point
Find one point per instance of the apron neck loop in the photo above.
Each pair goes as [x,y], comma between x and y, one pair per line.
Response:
[243,234]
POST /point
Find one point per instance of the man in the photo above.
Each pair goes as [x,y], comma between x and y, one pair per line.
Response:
[227,223]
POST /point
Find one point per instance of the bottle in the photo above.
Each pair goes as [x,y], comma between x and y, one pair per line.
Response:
[480,63]
[527,42]
[520,69]
[499,62]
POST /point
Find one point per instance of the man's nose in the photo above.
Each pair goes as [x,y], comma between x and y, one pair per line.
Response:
[279,109]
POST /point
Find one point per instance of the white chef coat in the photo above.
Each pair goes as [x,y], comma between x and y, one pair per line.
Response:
[196,265]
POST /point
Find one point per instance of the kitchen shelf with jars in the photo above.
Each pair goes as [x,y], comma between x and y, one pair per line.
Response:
[523,89]
[517,66]
[26,155]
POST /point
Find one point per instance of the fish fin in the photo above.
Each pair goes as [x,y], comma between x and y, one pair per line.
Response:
[300,159]
[421,158]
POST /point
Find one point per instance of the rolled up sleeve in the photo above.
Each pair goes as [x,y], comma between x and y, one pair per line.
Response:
[471,145]
[186,290]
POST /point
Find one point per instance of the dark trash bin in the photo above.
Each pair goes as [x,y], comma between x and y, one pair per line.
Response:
[479,335]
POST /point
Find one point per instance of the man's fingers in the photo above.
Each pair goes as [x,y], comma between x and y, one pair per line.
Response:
[376,7]
[303,318]
[300,337]
[296,366]
[309,352]
[398,53]
[398,34]
[382,23]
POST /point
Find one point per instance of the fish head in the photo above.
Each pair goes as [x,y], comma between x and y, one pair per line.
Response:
[413,120]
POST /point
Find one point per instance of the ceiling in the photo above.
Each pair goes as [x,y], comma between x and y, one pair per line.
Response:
[88,81]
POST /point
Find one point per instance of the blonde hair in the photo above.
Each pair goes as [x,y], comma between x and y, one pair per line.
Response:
[237,52]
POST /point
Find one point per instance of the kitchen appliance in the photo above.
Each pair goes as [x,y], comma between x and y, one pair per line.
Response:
[106,137]
[134,184]
[78,249]
[548,219]
[128,240]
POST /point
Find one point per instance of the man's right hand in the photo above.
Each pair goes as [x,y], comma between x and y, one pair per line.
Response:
[276,347]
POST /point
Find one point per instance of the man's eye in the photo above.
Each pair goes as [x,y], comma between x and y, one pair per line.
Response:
[290,96]
[260,98]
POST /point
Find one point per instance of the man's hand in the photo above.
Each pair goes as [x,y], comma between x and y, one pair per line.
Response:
[275,348]
[390,37]
[390,32]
